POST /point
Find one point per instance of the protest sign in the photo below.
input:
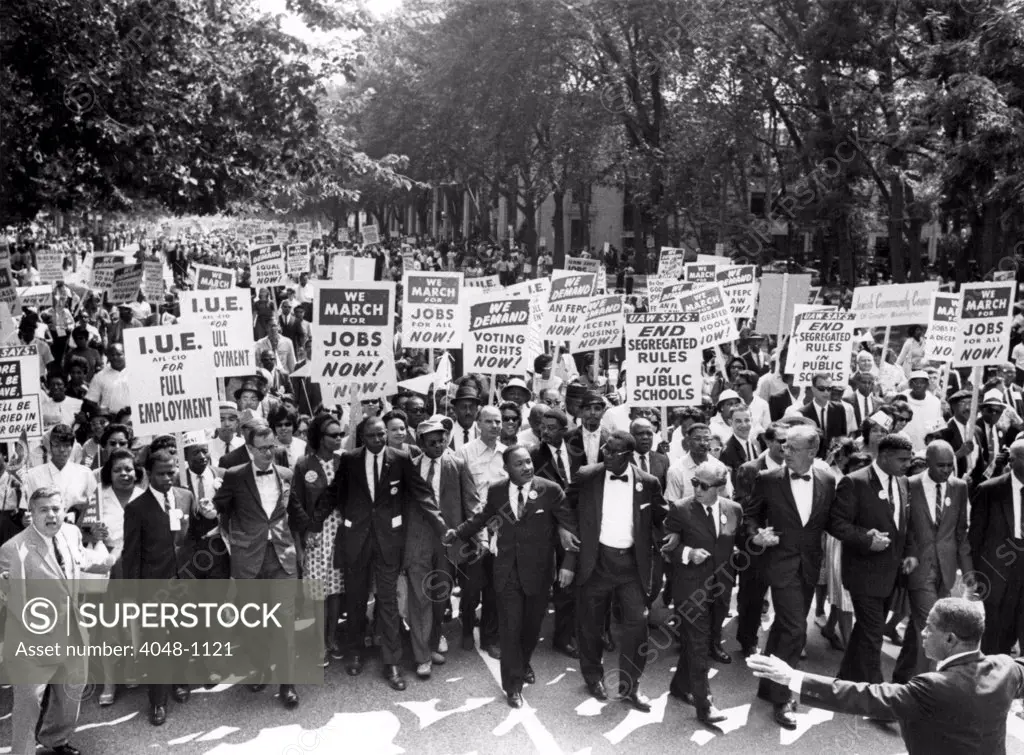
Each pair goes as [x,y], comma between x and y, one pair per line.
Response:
[37,297]
[262,239]
[496,336]
[103,266]
[985,323]
[153,280]
[125,285]
[739,283]
[602,325]
[821,342]
[266,266]
[482,281]
[567,304]
[9,291]
[582,265]
[717,325]
[671,262]
[699,272]
[431,310]
[171,378]
[298,259]
[349,268]
[663,359]
[536,290]
[19,392]
[353,335]
[777,295]
[670,294]
[213,278]
[942,339]
[371,235]
[712,259]
[50,263]
[343,235]
[228,315]
[896,304]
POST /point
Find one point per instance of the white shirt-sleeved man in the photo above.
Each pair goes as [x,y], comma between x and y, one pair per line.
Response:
[678,485]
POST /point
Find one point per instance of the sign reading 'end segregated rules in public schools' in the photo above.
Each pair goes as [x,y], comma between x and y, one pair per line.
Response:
[663,359]
[432,315]
[171,379]
[353,342]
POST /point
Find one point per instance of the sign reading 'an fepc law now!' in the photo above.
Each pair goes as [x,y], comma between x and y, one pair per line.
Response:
[353,341]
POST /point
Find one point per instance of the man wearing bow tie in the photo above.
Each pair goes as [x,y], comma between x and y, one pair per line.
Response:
[620,510]
[870,517]
[252,503]
[787,511]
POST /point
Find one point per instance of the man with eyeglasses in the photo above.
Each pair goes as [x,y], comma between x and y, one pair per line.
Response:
[680,474]
[260,541]
[788,509]
[511,421]
[620,511]
[702,532]
[829,416]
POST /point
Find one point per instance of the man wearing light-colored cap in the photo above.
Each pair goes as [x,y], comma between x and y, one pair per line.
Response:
[226,438]
[927,408]
[433,570]
[994,449]
[727,400]
[202,478]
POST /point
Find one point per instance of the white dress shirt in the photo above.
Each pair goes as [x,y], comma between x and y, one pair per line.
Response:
[760,414]
[266,484]
[109,389]
[677,480]
[75,482]
[1015,486]
[803,494]
[425,462]
[561,453]
[513,499]
[219,448]
[591,444]
[749,446]
[617,511]
[368,461]
[165,500]
[770,463]
[929,495]
[646,461]
[459,435]
[895,502]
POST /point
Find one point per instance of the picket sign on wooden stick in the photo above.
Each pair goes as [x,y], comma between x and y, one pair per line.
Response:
[975,394]
[782,323]
[885,343]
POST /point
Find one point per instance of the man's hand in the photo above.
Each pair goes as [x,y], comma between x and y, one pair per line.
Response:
[766,537]
[966,449]
[879,540]
[206,509]
[570,542]
[448,538]
[699,556]
[565,577]
[765,667]
[100,532]
[670,543]
[909,564]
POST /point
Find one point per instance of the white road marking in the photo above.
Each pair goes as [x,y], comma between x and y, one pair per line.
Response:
[428,713]
[635,720]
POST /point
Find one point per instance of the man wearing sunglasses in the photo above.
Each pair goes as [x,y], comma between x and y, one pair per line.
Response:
[701,535]
[829,416]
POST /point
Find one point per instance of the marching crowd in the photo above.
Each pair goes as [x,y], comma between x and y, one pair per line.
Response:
[861,501]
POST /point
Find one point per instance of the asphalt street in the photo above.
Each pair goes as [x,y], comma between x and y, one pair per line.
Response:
[462,710]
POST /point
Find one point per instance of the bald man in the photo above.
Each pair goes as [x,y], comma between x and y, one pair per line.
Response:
[938,518]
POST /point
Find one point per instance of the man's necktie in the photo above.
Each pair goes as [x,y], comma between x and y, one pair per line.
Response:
[711,519]
[465,435]
[260,473]
[643,462]
[750,450]
[520,503]
[560,465]
[430,473]
[938,503]
[199,487]
[824,428]
[60,558]
[892,501]
[620,477]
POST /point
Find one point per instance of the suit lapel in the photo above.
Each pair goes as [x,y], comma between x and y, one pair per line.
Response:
[250,480]
[363,476]
[817,493]
[43,549]
[787,491]
[599,480]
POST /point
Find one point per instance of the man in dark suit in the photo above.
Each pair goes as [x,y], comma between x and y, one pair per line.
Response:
[870,517]
[202,480]
[788,510]
[938,519]
[161,528]
[996,539]
[967,450]
[648,460]
[252,502]
[554,461]
[828,416]
[863,399]
[960,707]
[434,571]
[525,510]
[741,446]
[993,449]
[375,489]
[47,689]
[242,454]
[620,510]
[756,358]
[586,441]
[702,533]
[750,598]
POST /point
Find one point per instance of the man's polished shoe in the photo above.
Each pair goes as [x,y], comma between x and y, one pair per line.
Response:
[158,715]
[494,651]
[711,716]
[639,701]
[784,715]
[289,696]
[395,679]
[515,698]
[570,650]
[833,639]
[686,697]
[468,643]
[528,676]
[717,654]
[65,749]
[182,693]
[597,690]
[354,665]
[423,670]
